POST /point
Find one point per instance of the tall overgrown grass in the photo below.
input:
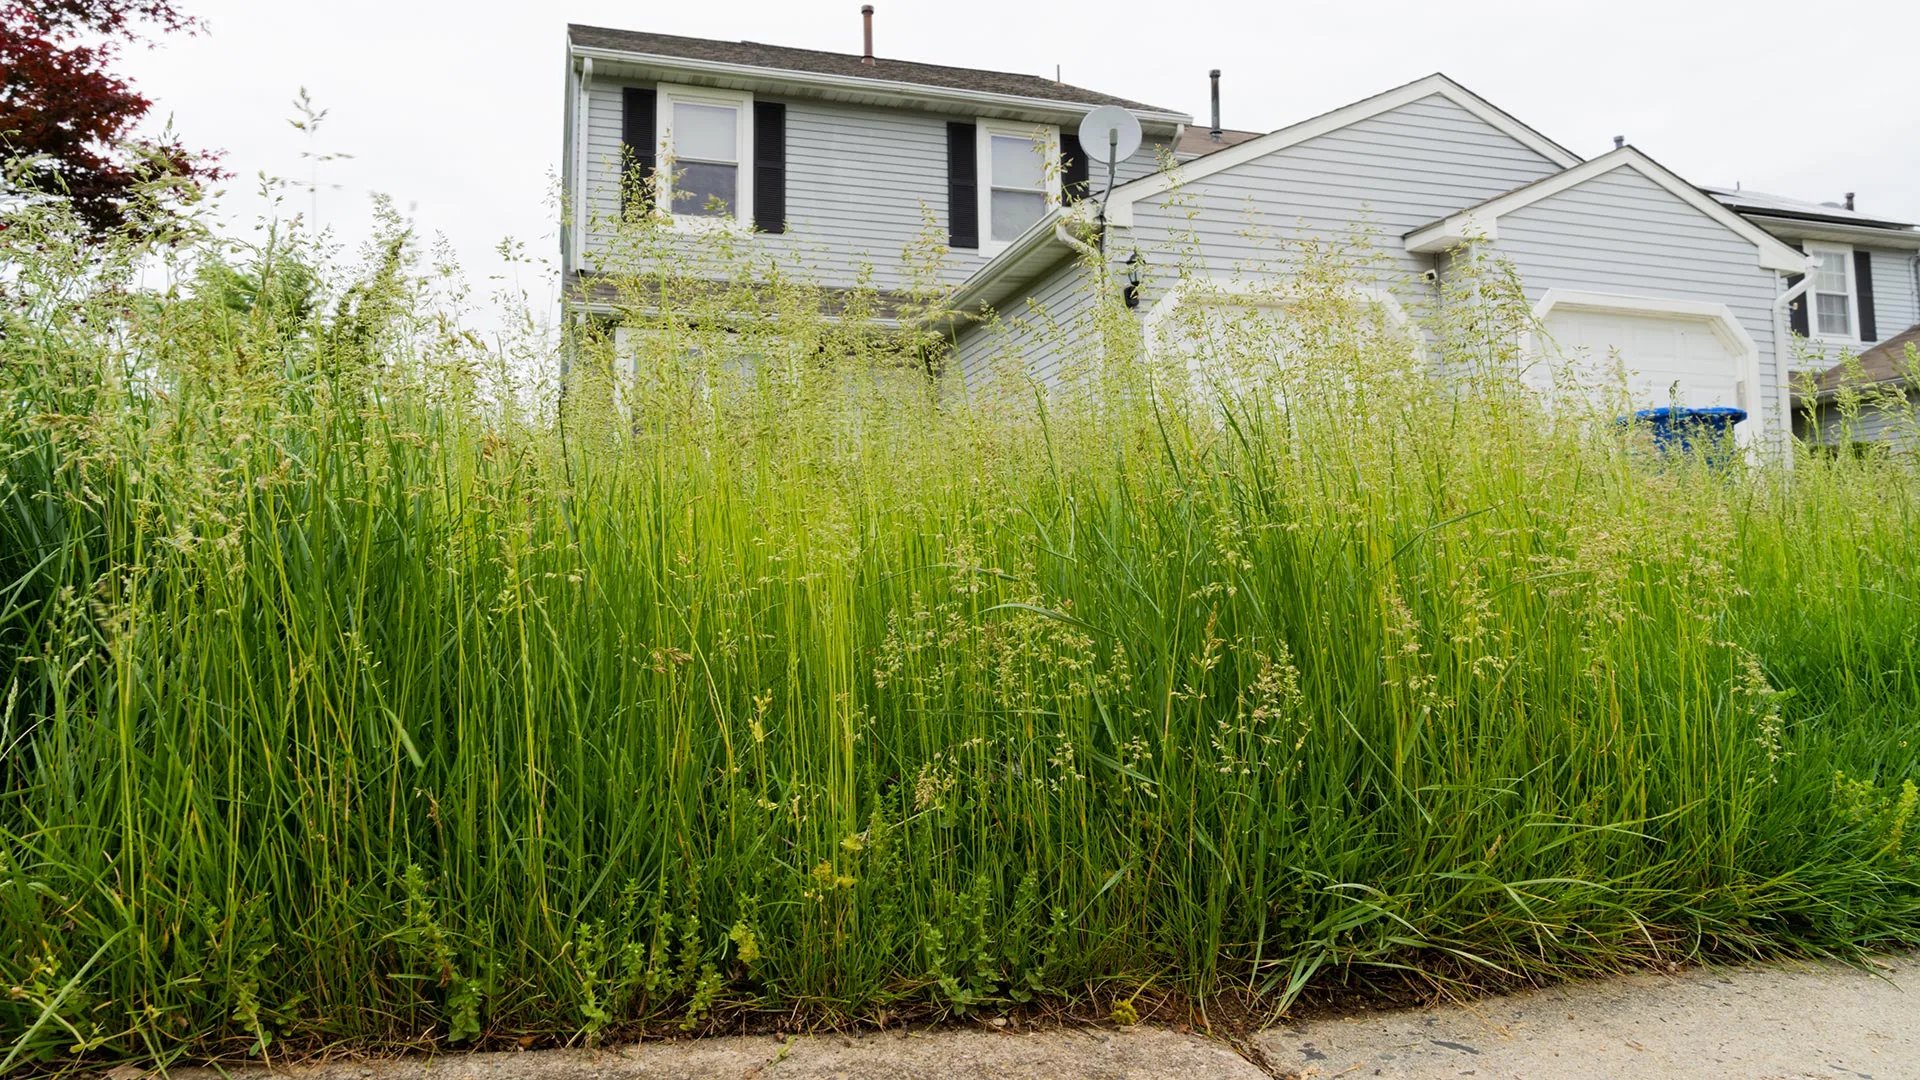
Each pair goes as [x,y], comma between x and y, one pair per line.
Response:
[364,688]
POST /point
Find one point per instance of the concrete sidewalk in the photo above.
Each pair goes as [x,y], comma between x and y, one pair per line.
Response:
[1787,1022]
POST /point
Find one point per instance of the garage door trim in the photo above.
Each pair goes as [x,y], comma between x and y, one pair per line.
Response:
[1273,295]
[1718,316]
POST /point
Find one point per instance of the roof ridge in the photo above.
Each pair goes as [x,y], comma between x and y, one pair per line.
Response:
[774,57]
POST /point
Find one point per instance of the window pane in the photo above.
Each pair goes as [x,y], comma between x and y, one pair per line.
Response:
[706,132]
[697,186]
[1833,313]
[1018,163]
[1014,211]
[1831,275]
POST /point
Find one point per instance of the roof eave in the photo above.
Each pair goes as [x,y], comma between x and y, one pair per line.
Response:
[1452,232]
[1030,253]
[1825,394]
[1795,227]
[873,91]
[1839,218]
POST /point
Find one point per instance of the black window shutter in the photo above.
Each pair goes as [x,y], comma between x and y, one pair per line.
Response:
[1073,169]
[640,144]
[1863,294]
[1797,311]
[769,166]
[963,186]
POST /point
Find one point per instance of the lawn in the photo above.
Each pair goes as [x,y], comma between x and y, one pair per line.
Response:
[372,682]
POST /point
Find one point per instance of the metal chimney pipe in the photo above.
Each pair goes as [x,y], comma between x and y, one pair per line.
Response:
[1849,200]
[866,16]
[1215,76]
[1619,141]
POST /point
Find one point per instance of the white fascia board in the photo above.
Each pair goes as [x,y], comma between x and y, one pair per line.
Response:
[1449,233]
[1022,252]
[1772,254]
[878,91]
[1864,236]
[1120,209]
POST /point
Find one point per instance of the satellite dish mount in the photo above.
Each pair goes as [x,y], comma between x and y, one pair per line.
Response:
[1115,130]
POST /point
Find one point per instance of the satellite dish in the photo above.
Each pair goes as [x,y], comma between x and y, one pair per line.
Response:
[1109,126]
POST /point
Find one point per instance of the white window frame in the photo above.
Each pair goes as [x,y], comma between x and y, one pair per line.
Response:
[983,155]
[1845,254]
[664,98]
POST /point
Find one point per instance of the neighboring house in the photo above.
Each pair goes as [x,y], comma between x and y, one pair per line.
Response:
[837,162]
[1870,398]
[1866,286]
[1853,317]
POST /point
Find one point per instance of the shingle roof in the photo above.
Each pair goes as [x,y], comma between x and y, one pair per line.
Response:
[1198,141]
[782,58]
[1760,202]
[1884,364]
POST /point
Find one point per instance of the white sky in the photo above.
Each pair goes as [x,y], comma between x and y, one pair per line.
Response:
[453,107]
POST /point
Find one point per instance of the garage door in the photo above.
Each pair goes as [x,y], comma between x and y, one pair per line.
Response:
[1665,359]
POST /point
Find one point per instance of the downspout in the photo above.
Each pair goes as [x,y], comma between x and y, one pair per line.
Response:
[1060,233]
[582,127]
[1782,360]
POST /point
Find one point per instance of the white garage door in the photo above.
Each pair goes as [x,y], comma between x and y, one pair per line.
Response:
[1665,359]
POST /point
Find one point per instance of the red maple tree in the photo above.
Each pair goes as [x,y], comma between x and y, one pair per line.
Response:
[66,120]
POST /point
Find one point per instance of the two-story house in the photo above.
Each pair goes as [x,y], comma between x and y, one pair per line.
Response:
[835,163]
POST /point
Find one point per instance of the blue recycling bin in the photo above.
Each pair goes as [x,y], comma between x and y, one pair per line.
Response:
[1682,430]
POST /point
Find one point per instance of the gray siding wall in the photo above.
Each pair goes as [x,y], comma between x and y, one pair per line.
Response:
[860,184]
[1145,161]
[1896,305]
[1622,233]
[1393,172]
[1889,420]
[1036,334]
[1385,175]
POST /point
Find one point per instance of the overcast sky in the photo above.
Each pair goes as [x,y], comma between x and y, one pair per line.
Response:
[453,107]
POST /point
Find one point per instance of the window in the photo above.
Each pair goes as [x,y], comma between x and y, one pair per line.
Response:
[1017,186]
[704,138]
[1832,292]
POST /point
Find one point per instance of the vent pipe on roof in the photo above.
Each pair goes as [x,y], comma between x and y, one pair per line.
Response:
[1619,141]
[1214,134]
[866,16]
[1850,202]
